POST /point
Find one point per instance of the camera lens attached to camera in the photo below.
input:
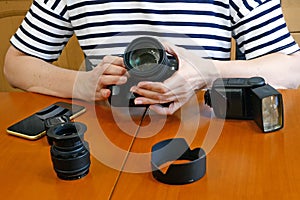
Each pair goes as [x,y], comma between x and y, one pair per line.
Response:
[145,60]
[69,152]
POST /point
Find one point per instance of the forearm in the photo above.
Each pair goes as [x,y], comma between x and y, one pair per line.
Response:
[279,70]
[35,75]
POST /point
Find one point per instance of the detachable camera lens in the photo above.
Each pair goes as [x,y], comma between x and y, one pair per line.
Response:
[69,152]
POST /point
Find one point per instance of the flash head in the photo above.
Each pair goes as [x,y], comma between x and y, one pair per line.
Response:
[268,108]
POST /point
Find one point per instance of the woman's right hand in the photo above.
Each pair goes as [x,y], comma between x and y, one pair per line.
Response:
[92,85]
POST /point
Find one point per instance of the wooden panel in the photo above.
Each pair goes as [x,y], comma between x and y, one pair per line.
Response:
[233,49]
[296,37]
[72,56]
[291,10]
[11,16]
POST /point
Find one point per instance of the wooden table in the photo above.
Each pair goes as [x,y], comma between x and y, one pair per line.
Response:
[242,162]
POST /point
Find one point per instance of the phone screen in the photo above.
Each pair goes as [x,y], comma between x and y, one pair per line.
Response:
[32,127]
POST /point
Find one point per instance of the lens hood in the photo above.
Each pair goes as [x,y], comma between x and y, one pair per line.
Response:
[177,174]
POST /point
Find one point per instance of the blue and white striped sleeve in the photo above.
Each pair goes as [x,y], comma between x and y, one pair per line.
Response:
[259,28]
[44,31]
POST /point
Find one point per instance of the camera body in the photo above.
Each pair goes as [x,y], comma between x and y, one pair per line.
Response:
[247,98]
[145,60]
[231,97]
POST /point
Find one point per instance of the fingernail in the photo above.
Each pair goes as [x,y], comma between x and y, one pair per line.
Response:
[123,79]
[132,89]
[137,101]
[105,93]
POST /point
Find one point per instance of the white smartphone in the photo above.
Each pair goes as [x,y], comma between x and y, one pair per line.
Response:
[33,127]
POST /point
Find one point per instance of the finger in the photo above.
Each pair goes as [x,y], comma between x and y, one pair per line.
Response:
[147,101]
[168,85]
[178,91]
[111,65]
[147,93]
[112,80]
[153,86]
[160,109]
[115,60]
[154,97]
[113,69]
[169,48]
[173,49]
[180,98]
[105,93]
[101,95]
[173,107]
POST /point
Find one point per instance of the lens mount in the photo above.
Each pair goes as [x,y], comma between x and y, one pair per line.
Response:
[67,134]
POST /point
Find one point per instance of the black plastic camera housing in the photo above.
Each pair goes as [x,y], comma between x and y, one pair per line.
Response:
[247,98]
[145,60]
[231,97]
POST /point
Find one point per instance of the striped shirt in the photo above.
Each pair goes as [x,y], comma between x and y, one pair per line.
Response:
[105,27]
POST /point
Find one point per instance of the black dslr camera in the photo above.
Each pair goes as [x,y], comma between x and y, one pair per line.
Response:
[145,60]
[247,98]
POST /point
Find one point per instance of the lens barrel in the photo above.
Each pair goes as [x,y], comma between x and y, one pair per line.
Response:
[146,60]
[69,152]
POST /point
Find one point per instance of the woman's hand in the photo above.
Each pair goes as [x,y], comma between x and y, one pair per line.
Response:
[193,73]
[92,85]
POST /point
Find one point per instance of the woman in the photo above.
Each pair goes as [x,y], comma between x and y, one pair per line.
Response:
[197,32]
